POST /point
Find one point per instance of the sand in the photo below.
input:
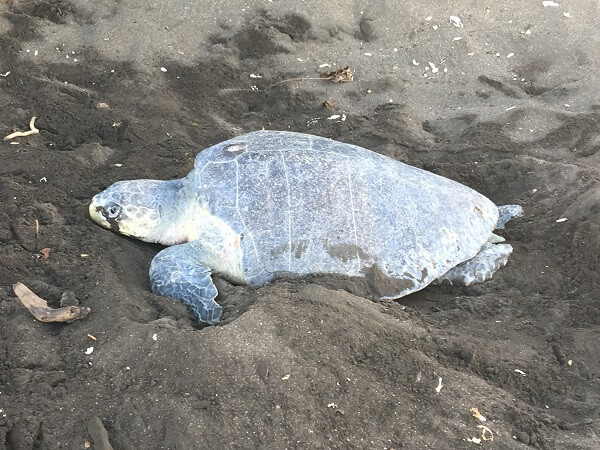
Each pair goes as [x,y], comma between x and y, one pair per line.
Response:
[505,101]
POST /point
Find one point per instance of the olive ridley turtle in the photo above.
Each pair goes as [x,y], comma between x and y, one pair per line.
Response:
[273,202]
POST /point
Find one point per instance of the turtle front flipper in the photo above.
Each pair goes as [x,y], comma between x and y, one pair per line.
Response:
[180,272]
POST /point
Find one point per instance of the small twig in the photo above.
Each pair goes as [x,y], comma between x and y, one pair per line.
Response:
[343,75]
[296,79]
[39,308]
[32,130]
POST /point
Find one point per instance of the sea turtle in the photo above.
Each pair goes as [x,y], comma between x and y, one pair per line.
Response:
[273,202]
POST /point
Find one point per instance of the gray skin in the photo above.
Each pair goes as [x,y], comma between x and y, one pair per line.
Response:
[272,202]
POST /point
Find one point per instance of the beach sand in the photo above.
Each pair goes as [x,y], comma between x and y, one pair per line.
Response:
[505,100]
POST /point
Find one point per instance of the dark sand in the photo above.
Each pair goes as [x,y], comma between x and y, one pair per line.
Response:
[300,363]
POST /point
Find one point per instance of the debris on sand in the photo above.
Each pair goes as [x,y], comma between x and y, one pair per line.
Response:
[439,387]
[341,75]
[32,130]
[336,407]
[455,20]
[475,412]
[45,253]
[328,104]
[99,434]
[39,308]
[434,69]
[486,433]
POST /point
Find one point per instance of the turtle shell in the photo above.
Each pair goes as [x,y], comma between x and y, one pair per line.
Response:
[306,204]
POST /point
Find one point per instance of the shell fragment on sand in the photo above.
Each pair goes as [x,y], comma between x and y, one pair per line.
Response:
[455,20]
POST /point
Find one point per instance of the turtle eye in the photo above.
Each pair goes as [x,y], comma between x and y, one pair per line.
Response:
[113,211]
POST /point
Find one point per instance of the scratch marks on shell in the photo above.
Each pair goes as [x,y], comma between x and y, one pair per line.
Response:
[289,210]
[353,212]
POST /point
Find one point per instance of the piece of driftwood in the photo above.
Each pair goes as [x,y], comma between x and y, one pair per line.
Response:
[39,308]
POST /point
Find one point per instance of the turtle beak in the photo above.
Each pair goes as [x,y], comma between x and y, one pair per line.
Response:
[98,214]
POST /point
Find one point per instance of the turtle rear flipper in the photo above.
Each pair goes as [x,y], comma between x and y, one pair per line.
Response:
[179,272]
[479,268]
[507,213]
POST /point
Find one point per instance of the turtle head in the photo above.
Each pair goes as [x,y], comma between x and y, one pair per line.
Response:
[143,209]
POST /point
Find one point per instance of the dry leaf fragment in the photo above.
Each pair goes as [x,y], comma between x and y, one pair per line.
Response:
[342,75]
[478,415]
[32,130]
[45,252]
[39,308]
[328,104]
